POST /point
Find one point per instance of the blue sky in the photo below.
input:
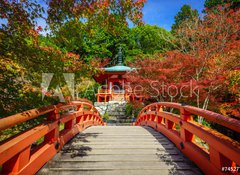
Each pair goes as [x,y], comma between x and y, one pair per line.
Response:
[162,12]
[157,12]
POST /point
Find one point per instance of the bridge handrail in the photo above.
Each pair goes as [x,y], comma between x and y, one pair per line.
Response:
[16,119]
[20,155]
[82,100]
[181,129]
[228,122]
[19,118]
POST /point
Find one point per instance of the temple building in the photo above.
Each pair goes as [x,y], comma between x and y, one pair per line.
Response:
[115,86]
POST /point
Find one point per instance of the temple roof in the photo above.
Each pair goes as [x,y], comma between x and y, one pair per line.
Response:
[119,67]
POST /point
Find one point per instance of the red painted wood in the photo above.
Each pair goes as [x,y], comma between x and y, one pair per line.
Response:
[223,152]
[16,155]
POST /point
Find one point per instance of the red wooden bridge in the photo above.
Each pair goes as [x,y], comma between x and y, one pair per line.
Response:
[159,142]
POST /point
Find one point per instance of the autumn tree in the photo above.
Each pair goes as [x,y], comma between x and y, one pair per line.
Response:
[185,14]
[212,41]
[207,60]
[215,4]
[97,28]
[25,54]
[104,13]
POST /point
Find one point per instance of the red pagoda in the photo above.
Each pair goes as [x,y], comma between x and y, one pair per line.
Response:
[115,86]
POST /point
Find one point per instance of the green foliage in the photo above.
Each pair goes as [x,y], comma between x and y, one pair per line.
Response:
[96,42]
[99,42]
[16,94]
[70,36]
[25,55]
[80,32]
[112,15]
[106,116]
[39,141]
[93,28]
[62,126]
[214,4]
[152,39]
[129,109]
[136,111]
[86,31]
[133,109]
[186,13]
[87,88]
[206,123]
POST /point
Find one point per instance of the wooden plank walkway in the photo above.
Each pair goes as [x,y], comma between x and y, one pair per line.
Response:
[119,150]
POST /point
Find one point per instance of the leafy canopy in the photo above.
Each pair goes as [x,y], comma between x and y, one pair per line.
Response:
[215,4]
[185,14]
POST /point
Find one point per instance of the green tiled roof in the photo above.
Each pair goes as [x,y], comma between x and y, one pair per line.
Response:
[118,68]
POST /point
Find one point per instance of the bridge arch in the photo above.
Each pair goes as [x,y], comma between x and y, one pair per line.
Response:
[18,156]
[223,152]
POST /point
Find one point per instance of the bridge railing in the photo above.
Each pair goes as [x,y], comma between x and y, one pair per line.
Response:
[19,154]
[219,154]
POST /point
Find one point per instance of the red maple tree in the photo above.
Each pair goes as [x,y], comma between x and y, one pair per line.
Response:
[201,66]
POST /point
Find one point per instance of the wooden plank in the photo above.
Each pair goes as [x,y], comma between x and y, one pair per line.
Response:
[123,158]
[124,152]
[117,172]
[118,149]
[127,165]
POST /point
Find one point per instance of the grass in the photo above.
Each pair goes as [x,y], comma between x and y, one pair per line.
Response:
[61,127]
[201,143]
[39,141]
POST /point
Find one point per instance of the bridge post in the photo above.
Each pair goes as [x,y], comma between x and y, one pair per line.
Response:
[218,159]
[223,154]
[70,123]
[53,135]
[53,116]
[169,124]
[159,118]
[15,164]
[87,118]
[80,108]
[185,135]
